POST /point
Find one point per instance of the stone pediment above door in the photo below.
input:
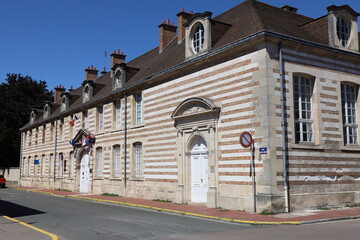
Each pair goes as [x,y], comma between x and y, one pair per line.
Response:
[81,137]
[196,112]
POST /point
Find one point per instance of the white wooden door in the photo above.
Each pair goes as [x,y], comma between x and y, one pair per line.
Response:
[84,174]
[199,172]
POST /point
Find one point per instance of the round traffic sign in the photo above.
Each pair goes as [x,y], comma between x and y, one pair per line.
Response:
[246,139]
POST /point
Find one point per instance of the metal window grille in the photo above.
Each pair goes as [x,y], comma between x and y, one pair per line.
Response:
[100,118]
[138,108]
[117,114]
[116,163]
[99,162]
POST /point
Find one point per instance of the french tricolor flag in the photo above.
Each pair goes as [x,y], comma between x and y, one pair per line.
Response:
[72,122]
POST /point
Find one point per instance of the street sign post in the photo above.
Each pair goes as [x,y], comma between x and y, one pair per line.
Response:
[246,141]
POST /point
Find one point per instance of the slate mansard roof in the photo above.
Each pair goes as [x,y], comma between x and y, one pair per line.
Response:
[246,19]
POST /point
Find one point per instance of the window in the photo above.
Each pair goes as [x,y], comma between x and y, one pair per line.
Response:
[138,108]
[117,113]
[99,158]
[85,119]
[51,167]
[42,165]
[43,133]
[348,104]
[61,165]
[138,159]
[23,170]
[303,109]
[30,137]
[116,161]
[61,130]
[46,111]
[72,164]
[198,38]
[24,135]
[118,79]
[36,136]
[343,31]
[29,166]
[63,104]
[52,132]
[100,118]
[86,96]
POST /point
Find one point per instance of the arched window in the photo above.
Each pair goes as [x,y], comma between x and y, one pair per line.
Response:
[198,38]
[118,79]
[343,31]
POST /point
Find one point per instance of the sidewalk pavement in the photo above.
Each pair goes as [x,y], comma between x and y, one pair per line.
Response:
[211,213]
[11,229]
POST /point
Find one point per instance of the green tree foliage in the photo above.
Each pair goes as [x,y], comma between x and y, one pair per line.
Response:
[17,96]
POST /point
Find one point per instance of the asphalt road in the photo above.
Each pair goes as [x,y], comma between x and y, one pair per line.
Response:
[73,219]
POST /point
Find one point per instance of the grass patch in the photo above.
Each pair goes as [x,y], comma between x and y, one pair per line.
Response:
[64,190]
[223,210]
[353,205]
[324,208]
[267,212]
[162,200]
[110,195]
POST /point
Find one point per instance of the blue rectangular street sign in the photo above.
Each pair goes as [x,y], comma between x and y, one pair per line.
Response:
[36,162]
[263,150]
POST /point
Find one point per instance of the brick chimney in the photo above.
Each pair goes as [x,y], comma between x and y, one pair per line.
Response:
[183,17]
[167,34]
[117,57]
[91,73]
[58,90]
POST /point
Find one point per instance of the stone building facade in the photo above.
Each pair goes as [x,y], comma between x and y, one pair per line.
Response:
[166,125]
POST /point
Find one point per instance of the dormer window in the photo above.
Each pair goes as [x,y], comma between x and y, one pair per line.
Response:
[86,95]
[118,79]
[198,35]
[198,38]
[32,117]
[63,104]
[46,111]
[343,31]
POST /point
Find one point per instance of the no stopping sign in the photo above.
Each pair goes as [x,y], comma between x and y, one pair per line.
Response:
[246,139]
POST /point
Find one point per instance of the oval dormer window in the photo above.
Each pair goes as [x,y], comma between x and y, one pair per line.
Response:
[86,96]
[63,104]
[198,38]
[343,31]
[118,82]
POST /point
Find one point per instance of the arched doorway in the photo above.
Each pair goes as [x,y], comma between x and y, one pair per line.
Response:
[84,173]
[199,162]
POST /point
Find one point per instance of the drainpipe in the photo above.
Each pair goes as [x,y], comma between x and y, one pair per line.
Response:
[283,130]
[125,142]
[55,149]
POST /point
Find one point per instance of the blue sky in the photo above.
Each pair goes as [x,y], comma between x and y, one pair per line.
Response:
[55,40]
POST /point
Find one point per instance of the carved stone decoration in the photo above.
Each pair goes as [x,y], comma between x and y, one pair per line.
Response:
[194,109]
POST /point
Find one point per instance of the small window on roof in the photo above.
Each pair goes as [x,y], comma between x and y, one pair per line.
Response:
[343,31]
[86,96]
[198,38]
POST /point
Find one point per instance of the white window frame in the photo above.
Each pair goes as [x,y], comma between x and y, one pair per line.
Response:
[342,31]
[117,114]
[72,164]
[349,113]
[116,166]
[42,165]
[85,119]
[198,38]
[99,162]
[51,162]
[138,108]
[61,165]
[303,109]
[100,118]
[138,160]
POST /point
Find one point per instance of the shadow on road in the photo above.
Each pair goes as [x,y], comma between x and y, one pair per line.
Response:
[14,210]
